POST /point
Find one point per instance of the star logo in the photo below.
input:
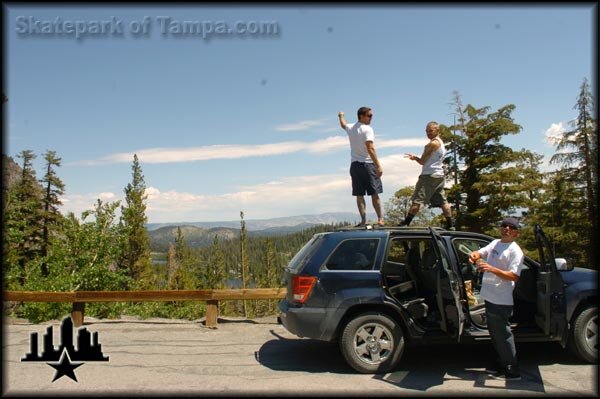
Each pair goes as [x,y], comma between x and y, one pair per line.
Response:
[65,367]
[65,359]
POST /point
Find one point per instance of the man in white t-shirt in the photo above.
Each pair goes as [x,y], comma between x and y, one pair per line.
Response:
[501,271]
[365,169]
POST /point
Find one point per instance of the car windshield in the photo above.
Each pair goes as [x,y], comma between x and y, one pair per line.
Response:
[305,253]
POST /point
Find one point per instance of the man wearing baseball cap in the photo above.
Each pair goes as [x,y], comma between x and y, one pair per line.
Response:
[501,269]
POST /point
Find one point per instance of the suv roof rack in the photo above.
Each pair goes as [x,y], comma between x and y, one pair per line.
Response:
[387,228]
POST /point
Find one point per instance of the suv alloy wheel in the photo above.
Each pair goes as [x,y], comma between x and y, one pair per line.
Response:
[372,343]
[584,335]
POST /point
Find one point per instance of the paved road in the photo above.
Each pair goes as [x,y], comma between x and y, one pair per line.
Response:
[259,357]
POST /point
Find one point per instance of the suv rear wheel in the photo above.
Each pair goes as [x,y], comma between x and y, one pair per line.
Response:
[584,335]
[372,343]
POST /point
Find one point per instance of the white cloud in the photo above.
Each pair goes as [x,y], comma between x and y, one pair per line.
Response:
[554,132]
[107,196]
[234,151]
[285,196]
[299,126]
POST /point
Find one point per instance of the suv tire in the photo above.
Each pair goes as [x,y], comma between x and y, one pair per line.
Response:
[372,343]
[584,335]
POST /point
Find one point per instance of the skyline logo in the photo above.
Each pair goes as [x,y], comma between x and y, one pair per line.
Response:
[64,358]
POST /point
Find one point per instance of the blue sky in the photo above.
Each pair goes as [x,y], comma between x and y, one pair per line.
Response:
[249,122]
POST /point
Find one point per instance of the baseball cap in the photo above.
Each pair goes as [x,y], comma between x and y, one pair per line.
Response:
[510,221]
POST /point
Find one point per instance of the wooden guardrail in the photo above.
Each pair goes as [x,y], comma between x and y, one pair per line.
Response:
[212,298]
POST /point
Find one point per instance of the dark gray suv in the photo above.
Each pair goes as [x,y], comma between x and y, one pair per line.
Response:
[375,290]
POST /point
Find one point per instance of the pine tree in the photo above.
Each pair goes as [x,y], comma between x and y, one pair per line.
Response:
[180,247]
[212,273]
[173,266]
[51,217]
[22,228]
[271,276]
[577,152]
[493,176]
[136,256]
[559,212]
[243,257]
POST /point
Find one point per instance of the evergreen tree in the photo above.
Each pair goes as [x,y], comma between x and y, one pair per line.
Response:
[173,266]
[22,228]
[136,256]
[243,258]
[214,270]
[51,217]
[577,152]
[180,247]
[494,177]
[271,275]
[559,212]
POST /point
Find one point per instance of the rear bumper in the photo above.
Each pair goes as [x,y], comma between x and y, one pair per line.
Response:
[313,323]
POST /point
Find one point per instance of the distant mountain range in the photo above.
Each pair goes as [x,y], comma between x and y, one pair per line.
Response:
[199,234]
[284,222]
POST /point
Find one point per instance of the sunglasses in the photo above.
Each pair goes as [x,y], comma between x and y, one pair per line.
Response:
[369,115]
[508,225]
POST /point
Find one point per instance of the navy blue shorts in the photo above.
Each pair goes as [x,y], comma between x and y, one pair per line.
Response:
[364,179]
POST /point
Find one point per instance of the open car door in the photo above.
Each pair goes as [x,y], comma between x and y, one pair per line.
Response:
[448,290]
[551,314]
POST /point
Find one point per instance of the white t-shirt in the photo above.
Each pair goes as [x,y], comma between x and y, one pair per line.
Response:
[359,134]
[504,256]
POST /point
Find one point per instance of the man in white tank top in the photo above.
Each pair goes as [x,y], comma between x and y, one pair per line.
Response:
[430,186]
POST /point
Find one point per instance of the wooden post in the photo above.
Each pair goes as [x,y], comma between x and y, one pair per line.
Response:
[77,313]
[212,312]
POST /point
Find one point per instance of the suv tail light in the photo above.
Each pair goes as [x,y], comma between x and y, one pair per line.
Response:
[302,287]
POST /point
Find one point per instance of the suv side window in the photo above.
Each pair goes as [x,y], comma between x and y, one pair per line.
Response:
[358,254]
[463,247]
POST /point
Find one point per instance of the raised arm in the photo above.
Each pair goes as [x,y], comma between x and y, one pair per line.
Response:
[342,120]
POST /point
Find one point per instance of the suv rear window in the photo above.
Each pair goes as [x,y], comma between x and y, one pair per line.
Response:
[358,254]
[300,259]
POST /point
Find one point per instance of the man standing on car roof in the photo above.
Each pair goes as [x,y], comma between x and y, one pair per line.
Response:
[365,169]
[500,272]
[430,185]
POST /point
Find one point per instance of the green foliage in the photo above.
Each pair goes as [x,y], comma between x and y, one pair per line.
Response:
[51,217]
[397,207]
[212,272]
[136,255]
[21,222]
[495,178]
[577,153]
[171,310]
[558,210]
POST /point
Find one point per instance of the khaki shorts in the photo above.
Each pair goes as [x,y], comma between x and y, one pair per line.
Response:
[429,190]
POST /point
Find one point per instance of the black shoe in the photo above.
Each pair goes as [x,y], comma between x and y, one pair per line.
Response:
[402,223]
[510,373]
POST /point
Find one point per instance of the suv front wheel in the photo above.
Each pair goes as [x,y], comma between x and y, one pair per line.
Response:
[372,343]
[584,335]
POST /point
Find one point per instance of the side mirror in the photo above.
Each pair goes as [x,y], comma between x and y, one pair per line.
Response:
[561,264]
